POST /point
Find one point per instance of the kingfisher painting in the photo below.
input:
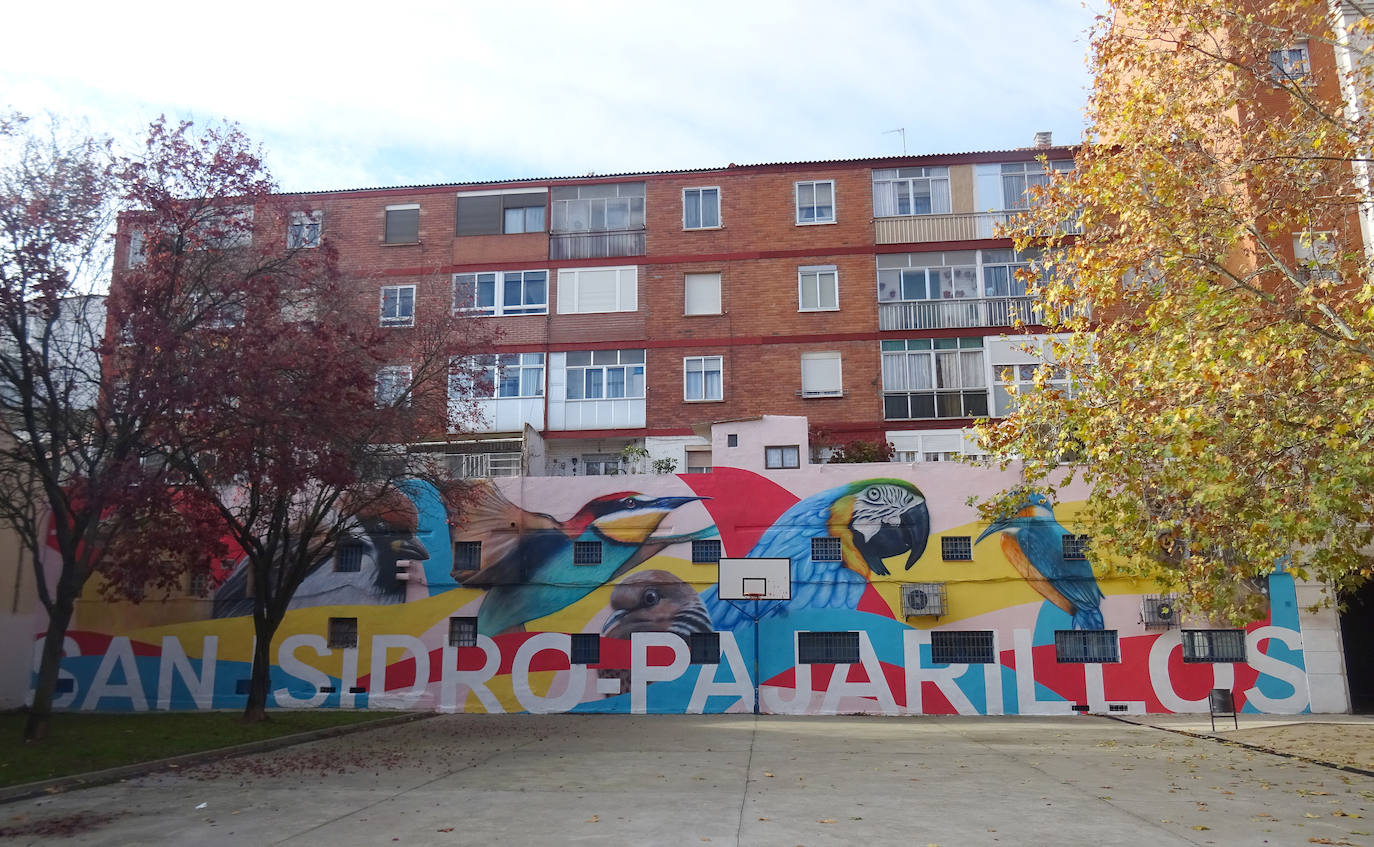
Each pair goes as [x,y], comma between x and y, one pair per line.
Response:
[1033,541]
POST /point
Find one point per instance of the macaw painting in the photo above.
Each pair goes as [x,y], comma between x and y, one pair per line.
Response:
[602,594]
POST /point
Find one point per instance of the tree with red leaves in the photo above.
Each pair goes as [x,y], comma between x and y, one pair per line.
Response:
[283,424]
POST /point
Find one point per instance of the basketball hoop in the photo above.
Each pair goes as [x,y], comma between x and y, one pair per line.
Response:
[756,596]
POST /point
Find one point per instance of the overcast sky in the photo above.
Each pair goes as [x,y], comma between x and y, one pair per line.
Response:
[414,92]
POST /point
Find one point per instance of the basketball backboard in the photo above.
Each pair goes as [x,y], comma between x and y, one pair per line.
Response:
[755,579]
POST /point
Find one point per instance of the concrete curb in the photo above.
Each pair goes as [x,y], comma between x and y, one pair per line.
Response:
[61,784]
[1207,736]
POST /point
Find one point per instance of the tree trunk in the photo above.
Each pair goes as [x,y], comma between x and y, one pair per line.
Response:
[256,709]
[40,714]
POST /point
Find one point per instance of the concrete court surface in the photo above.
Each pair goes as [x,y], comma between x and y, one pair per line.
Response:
[724,780]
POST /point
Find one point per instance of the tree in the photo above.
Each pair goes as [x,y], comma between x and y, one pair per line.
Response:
[1219,300]
[293,407]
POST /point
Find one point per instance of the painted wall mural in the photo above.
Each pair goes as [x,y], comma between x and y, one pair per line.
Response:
[581,595]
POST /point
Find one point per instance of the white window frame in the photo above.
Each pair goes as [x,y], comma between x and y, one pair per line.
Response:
[782,457]
[1028,175]
[1315,254]
[626,295]
[384,393]
[399,319]
[907,362]
[818,272]
[1022,376]
[631,368]
[686,284]
[304,229]
[465,294]
[797,204]
[706,370]
[890,184]
[828,356]
[486,385]
[1291,64]
[687,199]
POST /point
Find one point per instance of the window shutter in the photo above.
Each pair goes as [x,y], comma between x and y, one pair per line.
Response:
[479,215]
[702,294]
[596,291]
[821,374]
[522,201]
[402,226]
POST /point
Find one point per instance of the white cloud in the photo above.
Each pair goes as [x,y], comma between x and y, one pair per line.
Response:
[431,92]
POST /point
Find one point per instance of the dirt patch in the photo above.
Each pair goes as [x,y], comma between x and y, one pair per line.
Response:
[1343,744]
[73,824]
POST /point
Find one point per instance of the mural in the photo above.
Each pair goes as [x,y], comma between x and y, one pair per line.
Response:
[582,595]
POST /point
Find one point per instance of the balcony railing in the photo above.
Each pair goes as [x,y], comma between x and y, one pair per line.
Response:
[596,245]
[964,226]
[483,465]
[949,314]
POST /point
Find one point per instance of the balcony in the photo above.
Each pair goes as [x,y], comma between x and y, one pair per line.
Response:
[596,245]
[953,314]
[963,226]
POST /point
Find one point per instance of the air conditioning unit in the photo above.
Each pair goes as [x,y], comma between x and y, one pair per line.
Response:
[924,599]
[1159,611]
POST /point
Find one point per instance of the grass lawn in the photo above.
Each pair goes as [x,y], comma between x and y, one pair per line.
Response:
[78,743]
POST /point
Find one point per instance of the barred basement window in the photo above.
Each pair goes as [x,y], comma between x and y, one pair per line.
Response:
[956,548]
[705,648]
[1213,645]
[1075,547]
[706,552]
[828,648]
[467,555]
[348,557]
[462,632]
[962,648]
[343,633]
[586,552]
[199,585]
[1087,646]
[586,648]
[825,549]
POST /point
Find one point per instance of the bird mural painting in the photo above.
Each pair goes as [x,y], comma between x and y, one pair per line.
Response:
[874,520]
[528,567]
[1032,540]
[652,601]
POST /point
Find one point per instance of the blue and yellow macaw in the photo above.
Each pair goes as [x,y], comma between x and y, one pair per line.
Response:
[527,557]
[1033,541]
[874,519]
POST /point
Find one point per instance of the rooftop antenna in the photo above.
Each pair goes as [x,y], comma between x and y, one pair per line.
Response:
[902,132]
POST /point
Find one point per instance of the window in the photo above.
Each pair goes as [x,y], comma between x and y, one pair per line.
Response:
[1291,65]
[605,374]
[701,294]
[393,381]
[343,633]
[700,208]
[782,457]
[462,632]
[501,212]
[403,224]
[199,584]
[1075,547]
[820,375]
[398,305]
[956,548]
[1019,178]
[704,648]
[304,230]
[1315,254]
[828,648]
[223,228]
[348,556]
[702,378]
[706,551]
[1089,646]
[592,290]
[502,293]
[586,552]
[825,549]
[816,202]
[138,245]
[818,289]
[961,648]
[586,648]
[1023,378]
[467,555]
[910,191]
[934,378]
[500,375]
[600,464]
[614,207]
[1213,645]
[732,440]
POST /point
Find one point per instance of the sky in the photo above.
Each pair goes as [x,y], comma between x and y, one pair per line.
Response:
[407,93]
